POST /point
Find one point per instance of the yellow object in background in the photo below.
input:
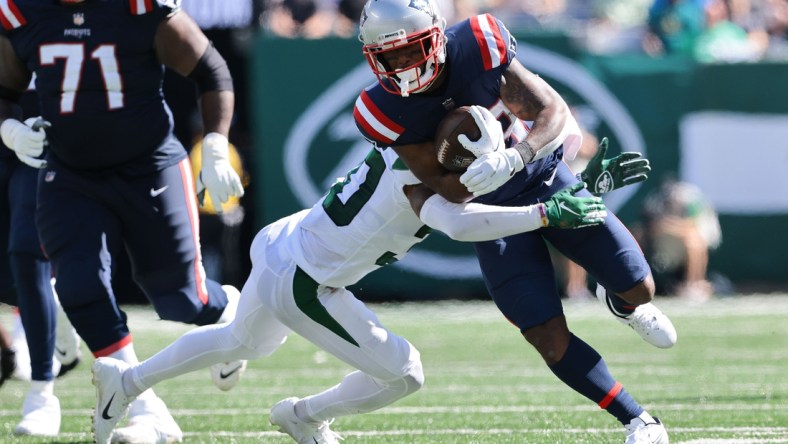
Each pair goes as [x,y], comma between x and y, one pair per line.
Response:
[195,157]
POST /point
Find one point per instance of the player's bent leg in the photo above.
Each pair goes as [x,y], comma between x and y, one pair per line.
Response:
[550,339]
[333,319]
[186,302]
[646,319]
[357,393]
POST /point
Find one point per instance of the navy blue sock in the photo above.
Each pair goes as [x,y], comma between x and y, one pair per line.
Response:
[618,306]
[37,310]
[586,372]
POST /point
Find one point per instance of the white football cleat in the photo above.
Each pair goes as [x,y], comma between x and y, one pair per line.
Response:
[112,404]
[647,320]
[40,415]
[149,423]
[226,375]
[283,416]
[646,430]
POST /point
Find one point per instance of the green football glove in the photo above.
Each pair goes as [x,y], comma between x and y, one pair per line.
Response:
[605,175]
[564,210]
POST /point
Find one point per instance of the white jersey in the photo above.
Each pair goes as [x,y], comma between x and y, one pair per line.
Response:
[363,223]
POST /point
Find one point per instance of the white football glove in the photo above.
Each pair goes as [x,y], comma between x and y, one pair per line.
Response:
[492,133]
[487,173]
[26,140]
[217,176]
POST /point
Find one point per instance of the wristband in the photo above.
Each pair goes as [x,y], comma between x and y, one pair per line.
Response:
[543,214]
[526,151]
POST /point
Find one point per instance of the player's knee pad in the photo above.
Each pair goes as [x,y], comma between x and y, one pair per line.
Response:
[414,380]
[409,383]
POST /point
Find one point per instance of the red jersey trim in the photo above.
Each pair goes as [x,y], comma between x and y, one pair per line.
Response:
[490,39]
[10,16]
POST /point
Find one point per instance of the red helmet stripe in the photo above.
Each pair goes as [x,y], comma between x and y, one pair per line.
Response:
[491,42]
[10,16]
[374,122]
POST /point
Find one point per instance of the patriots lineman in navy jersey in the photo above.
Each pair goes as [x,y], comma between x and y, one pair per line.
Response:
[114,176]
[423,72]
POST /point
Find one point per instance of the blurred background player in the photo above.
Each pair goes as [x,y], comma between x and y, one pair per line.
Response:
[40,358]
[7,356]
[680,228]
[115,175]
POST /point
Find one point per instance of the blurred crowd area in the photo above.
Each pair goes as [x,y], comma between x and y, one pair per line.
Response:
[709,30]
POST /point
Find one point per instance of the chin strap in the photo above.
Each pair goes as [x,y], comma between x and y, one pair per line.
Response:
[405,77]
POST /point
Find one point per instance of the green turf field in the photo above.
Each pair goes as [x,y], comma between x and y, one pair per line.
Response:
[726,381]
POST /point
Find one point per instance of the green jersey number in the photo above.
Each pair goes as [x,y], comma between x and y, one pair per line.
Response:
[342,213]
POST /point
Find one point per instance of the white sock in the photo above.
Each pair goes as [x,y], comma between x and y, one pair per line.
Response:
[646,418]
[126,354]
[195,350]
[357,393]
[43,387]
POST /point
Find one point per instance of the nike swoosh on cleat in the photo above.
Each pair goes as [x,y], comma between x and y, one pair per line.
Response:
[61,352]
[105,413]
[224,375]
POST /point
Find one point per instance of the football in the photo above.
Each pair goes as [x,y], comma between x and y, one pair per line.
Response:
[450,152]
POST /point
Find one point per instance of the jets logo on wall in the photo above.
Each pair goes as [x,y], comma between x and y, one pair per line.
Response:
[328,121]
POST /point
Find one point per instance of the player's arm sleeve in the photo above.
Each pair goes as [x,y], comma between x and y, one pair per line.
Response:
[475,222]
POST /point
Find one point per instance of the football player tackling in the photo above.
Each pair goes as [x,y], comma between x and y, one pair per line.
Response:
[301,266]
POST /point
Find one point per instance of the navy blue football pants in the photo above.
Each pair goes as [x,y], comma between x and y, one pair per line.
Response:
[518,271]
[84,218]
[24,270]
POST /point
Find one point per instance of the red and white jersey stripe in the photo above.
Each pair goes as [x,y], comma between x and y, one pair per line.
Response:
[374,122]
[490,39]
[10,16]
[140,7]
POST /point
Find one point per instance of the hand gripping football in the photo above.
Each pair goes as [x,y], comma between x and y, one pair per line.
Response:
[450,152]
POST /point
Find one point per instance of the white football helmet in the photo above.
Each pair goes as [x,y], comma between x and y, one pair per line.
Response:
[390,25]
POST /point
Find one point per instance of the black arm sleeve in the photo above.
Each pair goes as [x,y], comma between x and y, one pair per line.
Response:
[211,72]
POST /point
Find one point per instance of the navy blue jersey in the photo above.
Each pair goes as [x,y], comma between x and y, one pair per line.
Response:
[98,79]
[479,50]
